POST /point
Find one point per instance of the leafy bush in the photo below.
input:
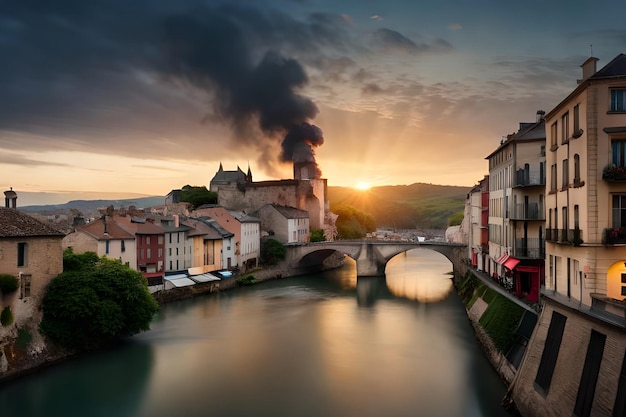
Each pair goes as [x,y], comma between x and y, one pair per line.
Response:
[317,235]
[247,280]
[8,283]
[500,321]
[272,252]
[6,317]
[353,223]
[96,304]
[24,337]
[197,196]
[77,261]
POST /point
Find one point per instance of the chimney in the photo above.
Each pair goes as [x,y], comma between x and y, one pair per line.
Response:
[589,68]
[10,198]
[540,115]
[176,220]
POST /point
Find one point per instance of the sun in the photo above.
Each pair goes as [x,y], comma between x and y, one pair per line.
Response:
[362,185]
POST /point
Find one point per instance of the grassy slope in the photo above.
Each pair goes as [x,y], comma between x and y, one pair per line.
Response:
[424,206]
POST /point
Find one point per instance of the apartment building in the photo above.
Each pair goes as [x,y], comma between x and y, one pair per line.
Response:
[575,363]
[516,209]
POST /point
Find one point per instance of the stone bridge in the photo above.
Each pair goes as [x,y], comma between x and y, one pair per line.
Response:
[371,256]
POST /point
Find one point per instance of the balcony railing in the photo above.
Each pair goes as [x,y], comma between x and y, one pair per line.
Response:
[565,236]
[614,236]
[531,247]
[613,173]
[529,178]
[531,211]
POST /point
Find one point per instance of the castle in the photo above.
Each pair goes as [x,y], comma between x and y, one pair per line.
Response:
[307,191]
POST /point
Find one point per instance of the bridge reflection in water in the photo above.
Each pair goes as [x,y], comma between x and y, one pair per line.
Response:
[408,275]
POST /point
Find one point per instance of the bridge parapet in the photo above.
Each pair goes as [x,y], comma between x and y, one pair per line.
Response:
[372,256]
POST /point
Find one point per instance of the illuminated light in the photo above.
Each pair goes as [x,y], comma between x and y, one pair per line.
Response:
[362,185]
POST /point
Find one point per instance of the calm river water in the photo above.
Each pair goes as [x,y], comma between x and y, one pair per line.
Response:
[319,345]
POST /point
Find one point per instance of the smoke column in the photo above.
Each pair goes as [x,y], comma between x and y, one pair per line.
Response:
[211,50]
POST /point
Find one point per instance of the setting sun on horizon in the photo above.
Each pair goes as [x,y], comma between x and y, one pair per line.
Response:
[362,185]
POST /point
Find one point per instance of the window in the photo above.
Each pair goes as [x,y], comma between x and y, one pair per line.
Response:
[147,240]
[565,175]
[587,386]
[565,128]
[25,285]
[576,169]
[576,119]
[160,239]
[22,254]
[553,140]
[149,253]
[618,99]
[123,248]
[160,252]
[576,217]
[106,247]
[550,351]
[553,177]
[619,210]
[618,152]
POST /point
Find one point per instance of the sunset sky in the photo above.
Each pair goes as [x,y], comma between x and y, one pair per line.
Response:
[149,95]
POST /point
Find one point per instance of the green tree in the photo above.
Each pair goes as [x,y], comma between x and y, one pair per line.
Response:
[8,284]
[317,235]
[353,223]
[77,261]
[272,251]
[197,196]
[456,219]
[6,317]
[96,304]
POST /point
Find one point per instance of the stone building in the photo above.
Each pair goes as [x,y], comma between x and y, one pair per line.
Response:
[236,191]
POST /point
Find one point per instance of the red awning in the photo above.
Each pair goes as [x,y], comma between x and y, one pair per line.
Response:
[511,263]
[502,259]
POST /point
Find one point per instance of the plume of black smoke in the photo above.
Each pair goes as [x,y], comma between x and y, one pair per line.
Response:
[211,51]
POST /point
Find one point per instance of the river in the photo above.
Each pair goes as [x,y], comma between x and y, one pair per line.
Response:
[317,345]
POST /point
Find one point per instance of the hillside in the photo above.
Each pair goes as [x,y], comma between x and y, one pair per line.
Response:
[87,206]
[422,206]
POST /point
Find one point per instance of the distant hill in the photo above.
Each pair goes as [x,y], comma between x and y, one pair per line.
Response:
[420,206]
[86,206]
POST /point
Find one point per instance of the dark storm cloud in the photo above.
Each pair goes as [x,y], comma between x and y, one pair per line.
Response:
[72,67]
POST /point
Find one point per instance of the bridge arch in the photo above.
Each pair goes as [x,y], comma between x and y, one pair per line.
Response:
[371,256]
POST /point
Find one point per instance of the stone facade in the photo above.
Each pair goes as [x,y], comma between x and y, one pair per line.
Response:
[560,398]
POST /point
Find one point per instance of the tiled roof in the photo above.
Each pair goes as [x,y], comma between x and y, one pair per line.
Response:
[14,223]
[615,68]
[291,212]
[113,230]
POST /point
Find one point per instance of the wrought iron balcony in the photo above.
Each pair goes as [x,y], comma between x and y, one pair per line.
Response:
[614,173]
[531,211]
[565,236]
[614,236]
[531,247]
[529,178]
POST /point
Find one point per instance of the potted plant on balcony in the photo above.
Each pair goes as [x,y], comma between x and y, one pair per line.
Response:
[614,173]
[614,235]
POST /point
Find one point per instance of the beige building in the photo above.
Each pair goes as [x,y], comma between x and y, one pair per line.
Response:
[285,224]
[575,364]
[586,194]
[31,252]
[516,209]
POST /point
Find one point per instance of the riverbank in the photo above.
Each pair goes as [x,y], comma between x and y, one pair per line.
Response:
[24,350]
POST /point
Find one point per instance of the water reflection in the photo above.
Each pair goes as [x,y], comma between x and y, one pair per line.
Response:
[415,275]
[292,347]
